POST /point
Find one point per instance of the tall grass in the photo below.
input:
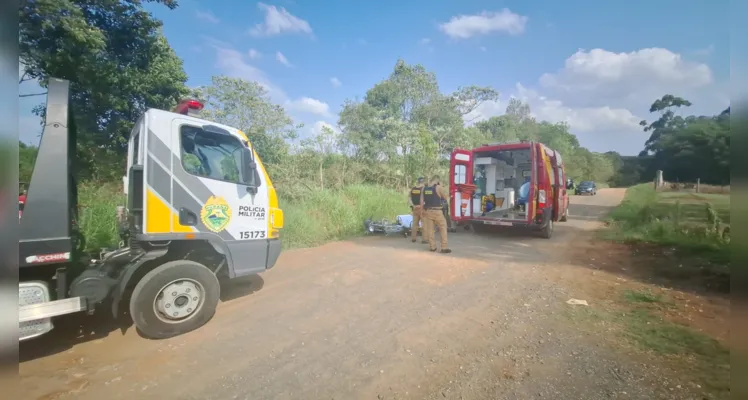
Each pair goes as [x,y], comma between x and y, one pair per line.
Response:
[690,224]
[691,187]
[97,213]
[321,216]
[328,215]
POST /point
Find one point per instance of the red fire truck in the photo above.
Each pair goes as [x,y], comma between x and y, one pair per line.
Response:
[519,184]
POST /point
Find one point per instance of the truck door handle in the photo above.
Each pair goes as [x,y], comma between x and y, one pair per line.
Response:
[187,217]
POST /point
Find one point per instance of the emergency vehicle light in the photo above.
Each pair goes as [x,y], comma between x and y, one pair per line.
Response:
[185,106]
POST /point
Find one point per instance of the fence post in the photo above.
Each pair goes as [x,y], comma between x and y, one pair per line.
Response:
[658,179]
[698,183]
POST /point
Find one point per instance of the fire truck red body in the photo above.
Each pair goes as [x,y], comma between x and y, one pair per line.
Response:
[508,184]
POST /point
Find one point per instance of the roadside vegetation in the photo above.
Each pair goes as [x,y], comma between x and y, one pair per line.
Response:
[692,223]
[329,177]
[643,319]
[319,217]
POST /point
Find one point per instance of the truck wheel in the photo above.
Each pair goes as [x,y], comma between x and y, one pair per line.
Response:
[174,298]
[547,232]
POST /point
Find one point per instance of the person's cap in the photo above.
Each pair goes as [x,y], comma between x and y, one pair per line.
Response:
[420,179]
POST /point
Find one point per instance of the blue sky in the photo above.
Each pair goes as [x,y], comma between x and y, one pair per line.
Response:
[596,65]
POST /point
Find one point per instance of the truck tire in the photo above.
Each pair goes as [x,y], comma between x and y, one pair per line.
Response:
[188,288]
[547,231]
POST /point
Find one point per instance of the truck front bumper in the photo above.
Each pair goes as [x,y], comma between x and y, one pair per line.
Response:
[274,249]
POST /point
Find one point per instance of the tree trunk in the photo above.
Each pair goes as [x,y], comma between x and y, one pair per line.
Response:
[321,177]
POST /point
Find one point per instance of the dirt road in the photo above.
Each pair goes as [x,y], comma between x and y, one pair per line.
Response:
[374,318]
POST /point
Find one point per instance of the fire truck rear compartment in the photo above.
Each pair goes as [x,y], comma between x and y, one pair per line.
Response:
[499,177]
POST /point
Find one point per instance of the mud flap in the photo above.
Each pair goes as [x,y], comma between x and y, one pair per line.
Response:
[127,274]
[546,227]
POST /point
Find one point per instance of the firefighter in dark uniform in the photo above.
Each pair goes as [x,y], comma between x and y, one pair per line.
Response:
[433,214]
[414,199]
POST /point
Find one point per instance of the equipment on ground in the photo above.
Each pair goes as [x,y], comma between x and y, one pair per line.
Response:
[402,225]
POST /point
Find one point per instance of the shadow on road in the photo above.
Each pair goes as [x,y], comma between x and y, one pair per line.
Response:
[72,330]
[240,287]
[588,212]
[493,243]
[489,244]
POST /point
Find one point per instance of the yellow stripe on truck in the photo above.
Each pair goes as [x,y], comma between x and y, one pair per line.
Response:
[159,216]
[275,214]
[549,175]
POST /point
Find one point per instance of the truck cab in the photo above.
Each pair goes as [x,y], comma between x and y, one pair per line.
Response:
[518,184]
[198,205]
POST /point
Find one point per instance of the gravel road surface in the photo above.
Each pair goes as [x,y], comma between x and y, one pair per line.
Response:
[371,318]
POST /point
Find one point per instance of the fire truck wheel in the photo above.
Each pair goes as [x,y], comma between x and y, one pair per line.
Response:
[547,231]
[174,298]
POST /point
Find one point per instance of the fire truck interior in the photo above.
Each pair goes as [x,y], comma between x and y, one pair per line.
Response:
[502,180]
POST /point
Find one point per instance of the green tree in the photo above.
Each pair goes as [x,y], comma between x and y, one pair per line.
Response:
[666,123]
[117,61]
[247,106]
[687,148]
[26,159]
[389,129]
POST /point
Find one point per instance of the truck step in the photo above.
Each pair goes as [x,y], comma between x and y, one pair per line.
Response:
[35,310]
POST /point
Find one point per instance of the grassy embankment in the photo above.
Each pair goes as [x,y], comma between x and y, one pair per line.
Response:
[322,216]
[692,223]
[644,319]
[679,235]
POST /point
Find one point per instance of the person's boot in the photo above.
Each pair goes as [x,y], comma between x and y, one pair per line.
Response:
[432,250]
[446,251]
[413,240]
[424,241]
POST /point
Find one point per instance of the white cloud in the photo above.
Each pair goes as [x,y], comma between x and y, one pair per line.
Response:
[254,54]
[467,26]
[704,52]
[603,95]
[336,82]
[600,128]
[207,16]
[282,59]
[233,63]
[427,44]
[309,105]
[581,119]
[319,125]
[641,75]
[279,21]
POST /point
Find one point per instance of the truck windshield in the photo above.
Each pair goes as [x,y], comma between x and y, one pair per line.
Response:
[211,155]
